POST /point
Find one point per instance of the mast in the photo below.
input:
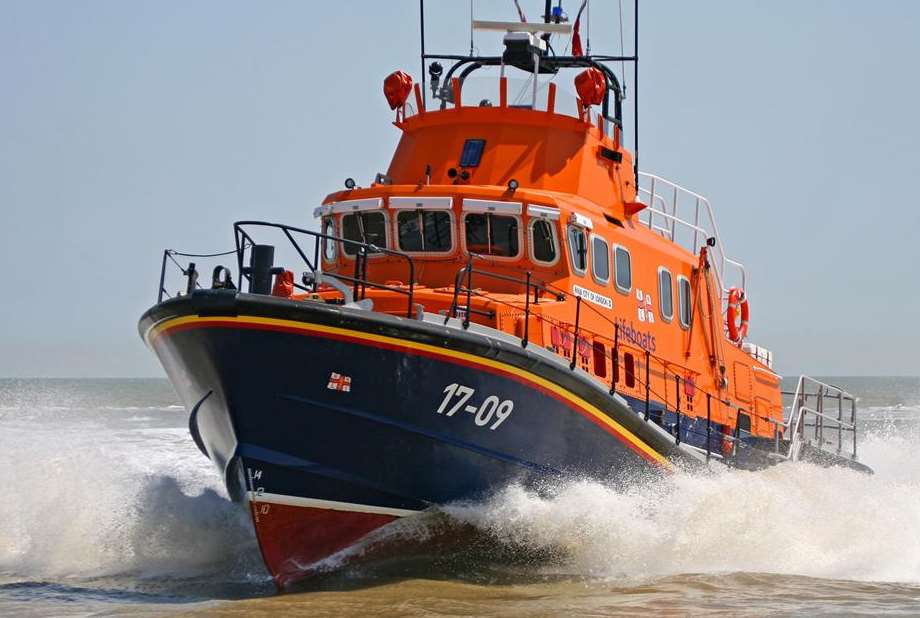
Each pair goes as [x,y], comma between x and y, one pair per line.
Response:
[636,92]
[421,16]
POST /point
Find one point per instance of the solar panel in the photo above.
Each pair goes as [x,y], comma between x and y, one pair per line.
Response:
[472,152]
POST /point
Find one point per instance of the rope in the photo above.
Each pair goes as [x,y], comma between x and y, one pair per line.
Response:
[205,255]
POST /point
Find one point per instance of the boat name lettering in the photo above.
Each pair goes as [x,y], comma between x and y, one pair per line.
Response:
[644,340]
[456,397]
[592,297]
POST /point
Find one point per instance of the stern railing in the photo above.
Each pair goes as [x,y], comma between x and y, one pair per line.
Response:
[812,406]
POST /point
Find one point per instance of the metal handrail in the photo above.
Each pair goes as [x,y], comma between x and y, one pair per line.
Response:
[658,206]
[799,408]
[466,273]
[190,272]
[360,280]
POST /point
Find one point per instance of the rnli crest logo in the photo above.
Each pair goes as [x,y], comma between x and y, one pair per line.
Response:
[338,382]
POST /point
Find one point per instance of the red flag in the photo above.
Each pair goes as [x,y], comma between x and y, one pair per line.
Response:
[576,35]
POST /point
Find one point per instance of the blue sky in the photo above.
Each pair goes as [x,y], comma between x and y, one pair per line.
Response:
[126,127]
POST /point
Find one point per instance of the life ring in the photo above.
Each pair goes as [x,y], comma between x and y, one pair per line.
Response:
[737,304]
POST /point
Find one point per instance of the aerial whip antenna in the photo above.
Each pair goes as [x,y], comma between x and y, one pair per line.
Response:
[520,12]
[576,34]
[471,27]
[589,27]
[622,53]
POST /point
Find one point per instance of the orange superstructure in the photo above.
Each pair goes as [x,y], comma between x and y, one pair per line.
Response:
[572,221]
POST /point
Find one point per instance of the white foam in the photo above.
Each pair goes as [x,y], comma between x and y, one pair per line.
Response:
[87,502]
[792,519]
[86,499]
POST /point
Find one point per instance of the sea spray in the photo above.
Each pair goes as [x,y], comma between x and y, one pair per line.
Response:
[92,492]
[83,501]
[790,519]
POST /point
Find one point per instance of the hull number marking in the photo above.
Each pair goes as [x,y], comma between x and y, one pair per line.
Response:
[456,397]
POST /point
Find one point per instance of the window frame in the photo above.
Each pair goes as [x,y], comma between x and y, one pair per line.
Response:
[327,219]
[503,258]
[661,313]
[581,272]
[433,254]
[680,315]
[594,261]
[530,225]
[386,232]
[616,270]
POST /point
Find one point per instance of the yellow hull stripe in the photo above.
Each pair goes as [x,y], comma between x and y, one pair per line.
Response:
[595,412]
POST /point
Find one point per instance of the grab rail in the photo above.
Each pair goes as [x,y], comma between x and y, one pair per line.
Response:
[468,271]
[463,284]
[800,410]
[190,272]
[703,226]
[360,281]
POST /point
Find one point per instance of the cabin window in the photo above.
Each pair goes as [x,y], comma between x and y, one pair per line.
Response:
[578,249]
[684,302]
[366,227]
[421,230]
[665,295]
[629,368]
[329,245]
[600,359]
[600,259]
[490,234]
[622,269]
[543,241]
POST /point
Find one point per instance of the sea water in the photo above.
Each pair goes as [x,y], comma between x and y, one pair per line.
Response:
[108,508]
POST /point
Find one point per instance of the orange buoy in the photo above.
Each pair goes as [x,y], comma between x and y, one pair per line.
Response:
[737,307]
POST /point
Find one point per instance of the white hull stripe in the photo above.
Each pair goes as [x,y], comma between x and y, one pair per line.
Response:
[329,504]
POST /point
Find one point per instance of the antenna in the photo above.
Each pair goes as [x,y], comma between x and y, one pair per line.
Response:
[636,92]
[421,14]
[548,27]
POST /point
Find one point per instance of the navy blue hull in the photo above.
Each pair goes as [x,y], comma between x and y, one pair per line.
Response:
[338,406]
